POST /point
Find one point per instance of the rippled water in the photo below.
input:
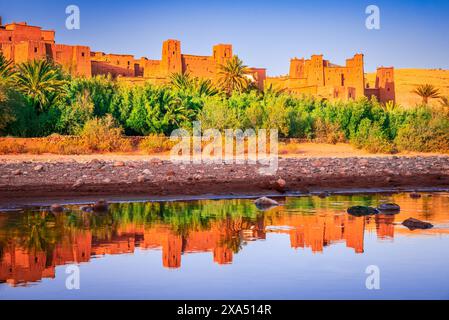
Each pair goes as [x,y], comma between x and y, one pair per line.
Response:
[228,249]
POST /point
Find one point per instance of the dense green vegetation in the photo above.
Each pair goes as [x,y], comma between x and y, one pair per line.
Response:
[38,99]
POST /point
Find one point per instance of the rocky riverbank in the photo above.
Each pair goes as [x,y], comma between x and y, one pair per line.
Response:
[156,177]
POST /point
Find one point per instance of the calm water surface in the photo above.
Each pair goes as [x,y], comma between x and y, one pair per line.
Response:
[228,249]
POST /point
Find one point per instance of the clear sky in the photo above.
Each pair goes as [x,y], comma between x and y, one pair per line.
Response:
[413,34]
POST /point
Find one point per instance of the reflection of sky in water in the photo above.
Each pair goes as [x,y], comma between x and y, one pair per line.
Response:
[412,264]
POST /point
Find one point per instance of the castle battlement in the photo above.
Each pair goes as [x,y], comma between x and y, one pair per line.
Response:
[20,42]
[319,77]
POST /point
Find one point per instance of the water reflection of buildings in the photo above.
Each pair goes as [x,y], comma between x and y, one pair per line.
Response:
[222,237]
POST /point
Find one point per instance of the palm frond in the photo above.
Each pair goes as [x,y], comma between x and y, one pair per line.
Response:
[426,92]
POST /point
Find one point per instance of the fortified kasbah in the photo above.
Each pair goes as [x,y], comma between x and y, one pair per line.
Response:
[20,42]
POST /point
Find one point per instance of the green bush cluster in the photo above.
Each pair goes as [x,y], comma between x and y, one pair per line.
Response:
[78,106]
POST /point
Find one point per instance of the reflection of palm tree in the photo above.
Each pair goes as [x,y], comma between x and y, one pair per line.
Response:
[39,232]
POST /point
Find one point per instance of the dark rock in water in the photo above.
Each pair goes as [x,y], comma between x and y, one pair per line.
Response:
[101,206]
[413,224]
[56,208]
[389,208]
[86,209]
[265,203]
[324,195]
[360,211]
[415,195]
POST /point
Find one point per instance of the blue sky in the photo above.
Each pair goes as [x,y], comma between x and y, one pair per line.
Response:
[413,34]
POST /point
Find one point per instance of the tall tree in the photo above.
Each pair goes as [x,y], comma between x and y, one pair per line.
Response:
[426,92]
[40,81]
[233,75]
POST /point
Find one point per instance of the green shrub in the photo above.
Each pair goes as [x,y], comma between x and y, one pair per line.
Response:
[371,138]
[424,135]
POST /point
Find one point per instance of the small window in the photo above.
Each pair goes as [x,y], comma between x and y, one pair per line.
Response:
[83,54]
[35,49]
[10,38]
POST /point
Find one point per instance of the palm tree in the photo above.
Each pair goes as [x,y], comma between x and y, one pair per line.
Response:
[205,87]
[444,102]
[196,86]
[41,81]
[6,68]
[233,76]
[390,106]
[6,114]
[273,91]
[426,92]
[181,81]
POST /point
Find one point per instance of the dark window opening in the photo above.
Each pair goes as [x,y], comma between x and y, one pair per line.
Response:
[83,54]
[35,50]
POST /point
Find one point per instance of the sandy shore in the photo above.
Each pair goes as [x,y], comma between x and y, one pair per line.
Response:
[126,177]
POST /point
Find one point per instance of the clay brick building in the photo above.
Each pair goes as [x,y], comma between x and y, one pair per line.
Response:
[322,78]
[20,42]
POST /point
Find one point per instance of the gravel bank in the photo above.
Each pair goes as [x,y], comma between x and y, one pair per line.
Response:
[155,177]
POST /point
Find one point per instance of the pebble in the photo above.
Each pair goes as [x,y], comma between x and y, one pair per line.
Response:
[38,168]
[78,183]
[119,164]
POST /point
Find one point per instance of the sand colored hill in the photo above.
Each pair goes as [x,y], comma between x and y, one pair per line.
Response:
[408,79]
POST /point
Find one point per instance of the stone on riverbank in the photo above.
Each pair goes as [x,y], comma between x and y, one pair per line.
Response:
[38,168]
[280,185]
[119,164]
